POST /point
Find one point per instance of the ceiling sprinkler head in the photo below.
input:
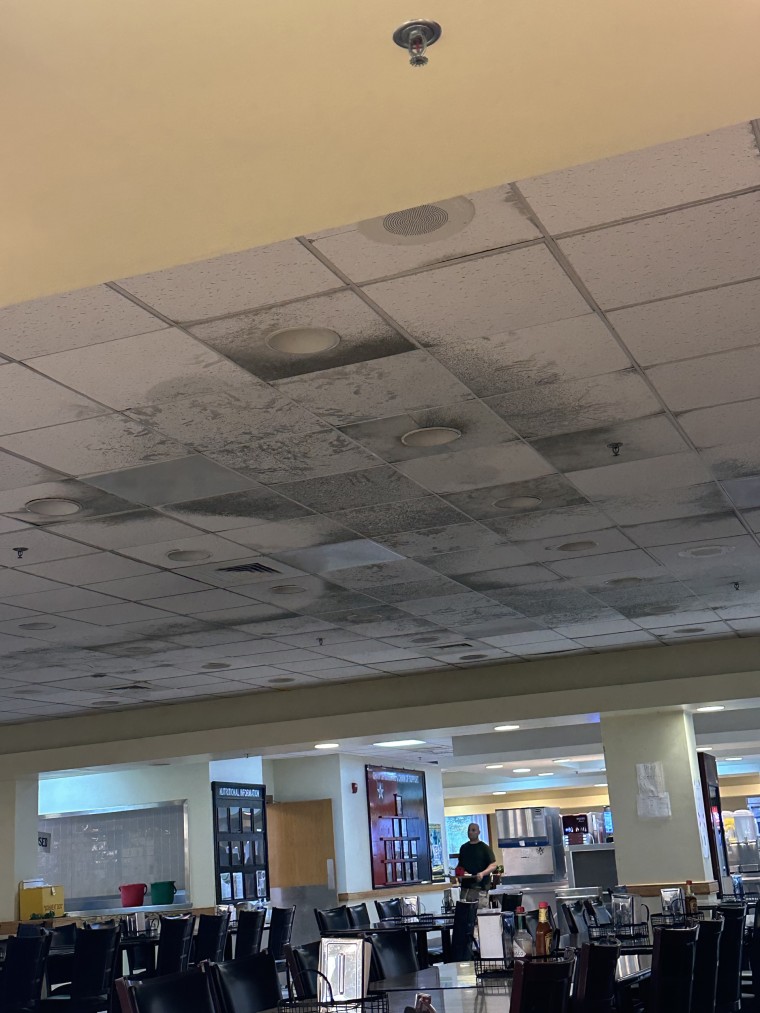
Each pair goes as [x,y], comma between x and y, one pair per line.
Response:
[20,550]
[415,37]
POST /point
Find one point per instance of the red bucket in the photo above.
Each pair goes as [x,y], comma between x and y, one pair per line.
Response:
[133,894]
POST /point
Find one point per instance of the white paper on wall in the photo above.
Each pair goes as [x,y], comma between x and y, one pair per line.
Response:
[653,807]
[650,778]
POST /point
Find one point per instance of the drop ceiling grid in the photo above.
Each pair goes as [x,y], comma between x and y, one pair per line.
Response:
[477,612]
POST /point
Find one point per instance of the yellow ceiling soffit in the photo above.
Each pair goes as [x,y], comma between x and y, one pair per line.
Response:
[146,134]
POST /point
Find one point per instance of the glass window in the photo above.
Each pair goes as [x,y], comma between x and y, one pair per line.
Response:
[222,819]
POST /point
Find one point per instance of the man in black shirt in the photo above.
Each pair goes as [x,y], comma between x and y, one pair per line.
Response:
[478,861]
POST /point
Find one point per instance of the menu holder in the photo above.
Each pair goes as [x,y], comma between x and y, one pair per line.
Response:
[344,967]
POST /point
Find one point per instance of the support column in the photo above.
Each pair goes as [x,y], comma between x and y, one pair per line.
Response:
[654,850]
[18,841]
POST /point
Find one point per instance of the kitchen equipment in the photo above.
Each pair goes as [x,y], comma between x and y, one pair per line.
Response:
[162,892]
[531,843]
[133,894]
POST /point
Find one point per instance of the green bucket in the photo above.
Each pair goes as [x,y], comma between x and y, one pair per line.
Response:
[163,892]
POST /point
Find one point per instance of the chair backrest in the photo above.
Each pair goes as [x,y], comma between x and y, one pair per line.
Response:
[303,964]
[706,966]
[64,935]
[389,908]
[23,970]
[541,986]
[175,939]
[94,967]
[280,930]
[510,902]
[394,953]
[595,978]
[730,955]
[331,918]
[569,917]
[673,958]
[211,937]
[465,916]
[247,985]
[28,930]
[358,916]
[188,992]
[250,929]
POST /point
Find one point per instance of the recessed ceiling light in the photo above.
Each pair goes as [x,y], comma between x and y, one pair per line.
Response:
[711,708]
[281,680]
[547,773]
[400,742]
[498,793]
[730,759]
[624,581]
[327,745]
[567,759]
[303,340]
[505,728]
[706,551]
[518,503]
[188,555]
[472,657]
[53,507]
[494,766]
[431,436]
[576,546]
[602,784]
[689,629]
[521,770]
[705,749]
[429,638]
[36,626]
[212,665]
[287,589]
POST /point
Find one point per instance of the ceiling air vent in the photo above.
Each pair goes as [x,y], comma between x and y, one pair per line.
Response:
[422,224]
[248,568]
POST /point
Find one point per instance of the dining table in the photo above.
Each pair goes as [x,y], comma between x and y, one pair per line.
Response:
[421,926]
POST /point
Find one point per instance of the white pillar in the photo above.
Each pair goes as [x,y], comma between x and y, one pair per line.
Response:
[18,841]
[653,849]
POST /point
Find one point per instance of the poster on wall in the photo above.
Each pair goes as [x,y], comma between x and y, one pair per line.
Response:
[437,868]
[398,826]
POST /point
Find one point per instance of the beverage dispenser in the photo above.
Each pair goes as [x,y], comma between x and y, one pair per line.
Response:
[531,843]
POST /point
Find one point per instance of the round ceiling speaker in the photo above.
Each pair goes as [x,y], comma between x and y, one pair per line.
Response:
[303,340]
[518,503]
[422,224]
[432,436]
[188,555]
[53,507]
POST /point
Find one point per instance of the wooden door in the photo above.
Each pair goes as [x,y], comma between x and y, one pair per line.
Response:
[301,843]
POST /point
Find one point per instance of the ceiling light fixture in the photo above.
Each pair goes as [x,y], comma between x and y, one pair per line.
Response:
[53,507]
[431,436]
[188,555]
[303,340]
[518,503]
[602,784]
[576,546]
[730,759]
[710,709]
[327,745]
[287,589]
[391,743]
[547,773]
[498,793]
[36,626]
[505,728]
[706,551]
[494,766]
[567,759]
[521,770]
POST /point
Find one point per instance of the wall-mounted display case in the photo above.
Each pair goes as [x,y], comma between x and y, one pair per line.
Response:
[240,842]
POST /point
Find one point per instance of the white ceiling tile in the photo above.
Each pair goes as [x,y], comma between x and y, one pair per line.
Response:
[498,221]
[576,405]
[709,380]
[218,549]
[673,471]
[185,478]
[96,445]
[114,615]
[542,524]
[232,510]
[40,546]
[746,627]
[435,541]
[736,554]
[61,631]
[473,469]
[201,601]
[9,612]
[602,627]
[62,599]
[380,387]
[640,181]
[72,320]
[235,282]
[475,560]
[744,492]
[618,639]
[515,640]
[722,424]
[18,474]
[141,370]
[689,630]
[14,582]
[153,585]
[685,529]
[99,566]
[298,533]
[665,505]
[559,645]
[654,436]
[585,544]
[669,619]
[735,460]
[480,297]
[682,251]
[239,570]
[141,527]
[30,401]
[613,562]
[691,325]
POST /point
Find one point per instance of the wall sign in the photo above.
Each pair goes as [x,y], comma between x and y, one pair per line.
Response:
[398,827]
[240,839]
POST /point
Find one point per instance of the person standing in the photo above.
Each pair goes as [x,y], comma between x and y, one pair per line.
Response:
[478,862]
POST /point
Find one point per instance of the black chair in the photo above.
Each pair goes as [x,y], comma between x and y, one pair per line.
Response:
[189,992]
[23,971]
[280,930]
[752,954]
[246,985]
[59,968]
[211,938]
[394,953]
[728,993]
[462,935]
[568,916]
[595,913]
[175,940]
[541,986]
[250,930]
[670,984]
[303,965]
[331,918]
[706,966]
[93,974]
[595,986]
[358,916]
[29,930]
[392,908]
